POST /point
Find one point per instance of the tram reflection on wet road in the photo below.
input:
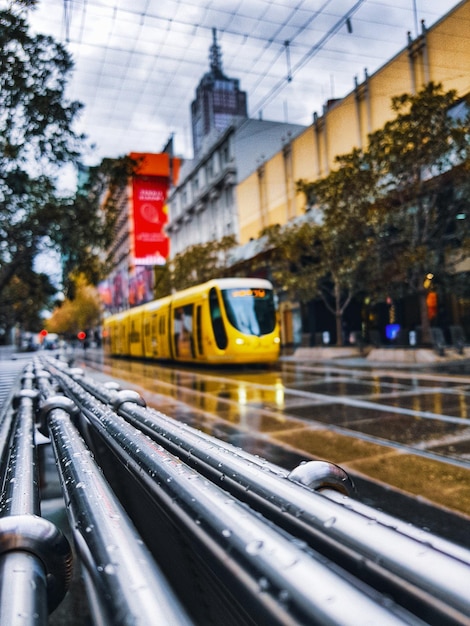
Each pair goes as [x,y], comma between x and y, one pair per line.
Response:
[406,430]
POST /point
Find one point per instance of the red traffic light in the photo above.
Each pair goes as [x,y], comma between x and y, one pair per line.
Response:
[43,332]
[81,335]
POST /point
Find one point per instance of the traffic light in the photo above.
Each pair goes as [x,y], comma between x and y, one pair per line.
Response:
[81,335]
[42,335]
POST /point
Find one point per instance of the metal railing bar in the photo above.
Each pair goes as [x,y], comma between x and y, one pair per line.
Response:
[419,534]
[185,445]
[23,586]
[34,555]
[125,585]
[23,590]
[313,586]
[404,562]
[409,563]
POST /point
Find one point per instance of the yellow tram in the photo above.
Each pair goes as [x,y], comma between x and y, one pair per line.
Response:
[227,320]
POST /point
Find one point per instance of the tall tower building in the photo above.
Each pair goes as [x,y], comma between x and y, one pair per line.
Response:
[218,100]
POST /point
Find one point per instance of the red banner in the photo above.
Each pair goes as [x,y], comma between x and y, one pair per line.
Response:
[151,245]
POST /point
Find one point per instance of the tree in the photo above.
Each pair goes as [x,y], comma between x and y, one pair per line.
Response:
[88,220]
[392,215]
[77,314]
[330,258]
[25,299]
[345,244]
[421,161]
[36,139]
[200,263]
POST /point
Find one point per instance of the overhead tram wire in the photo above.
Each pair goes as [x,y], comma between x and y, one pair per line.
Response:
[253,35]
[344,20]
[298,32]
[314,50]
[81,10]
[67,16]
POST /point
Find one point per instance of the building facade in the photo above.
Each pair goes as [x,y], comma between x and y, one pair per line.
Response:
[140,242]
[267,195]
[203,207]
[441,54]
[228,146]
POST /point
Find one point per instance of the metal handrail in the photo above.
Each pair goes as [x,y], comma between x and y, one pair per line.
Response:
[123,582]
[35,557]
[286,582]
[424,576]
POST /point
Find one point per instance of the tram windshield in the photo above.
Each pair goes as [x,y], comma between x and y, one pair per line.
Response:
[250,309]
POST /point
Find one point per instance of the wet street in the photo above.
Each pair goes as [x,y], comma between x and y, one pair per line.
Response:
[396,431]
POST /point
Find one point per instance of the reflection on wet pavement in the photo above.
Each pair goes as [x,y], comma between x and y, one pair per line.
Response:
[390,426]
[338,387]
[442,403]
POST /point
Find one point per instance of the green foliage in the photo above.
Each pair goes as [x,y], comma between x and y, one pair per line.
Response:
[88,220]
[331,258]
[24,300]
[293,257]
[422,158]
[36,139]
[389,215]
[163,282]
[200,263]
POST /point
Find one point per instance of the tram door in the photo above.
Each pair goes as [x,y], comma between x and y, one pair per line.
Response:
[151,336]
[123,346]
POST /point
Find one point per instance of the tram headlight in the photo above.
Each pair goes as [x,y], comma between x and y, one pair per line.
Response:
[277,340]
[239,341]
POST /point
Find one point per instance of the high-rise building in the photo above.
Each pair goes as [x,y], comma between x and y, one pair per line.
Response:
[203,205]
[218,103]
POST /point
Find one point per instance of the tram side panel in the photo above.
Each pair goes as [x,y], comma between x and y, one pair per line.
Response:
[115,330]
[135,320]
[156,335]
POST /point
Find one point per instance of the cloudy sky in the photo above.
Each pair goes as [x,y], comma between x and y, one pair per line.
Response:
[138,62]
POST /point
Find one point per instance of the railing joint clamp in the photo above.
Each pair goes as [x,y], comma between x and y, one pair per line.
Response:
[127,395]
[40,537]
[43,374]
[32,394]
[318,475]
[76,372]
[57,402]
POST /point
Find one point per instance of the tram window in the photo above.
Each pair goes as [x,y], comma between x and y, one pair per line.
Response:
[183,331]
[251,311]
[217,321]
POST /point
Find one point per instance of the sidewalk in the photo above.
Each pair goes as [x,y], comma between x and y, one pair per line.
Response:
[373,357]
